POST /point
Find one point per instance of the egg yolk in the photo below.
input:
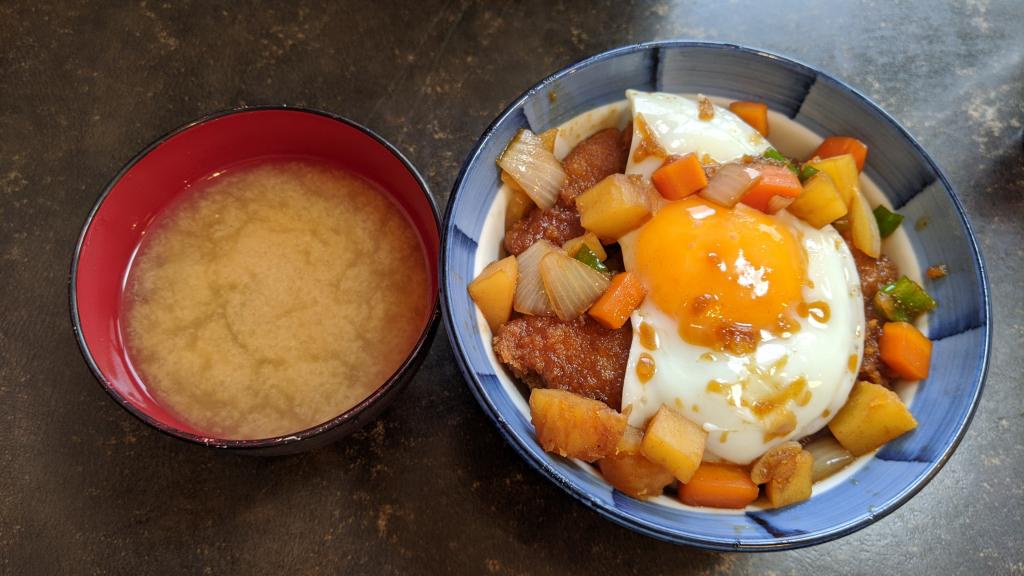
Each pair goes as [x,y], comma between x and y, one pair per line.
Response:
[726,275]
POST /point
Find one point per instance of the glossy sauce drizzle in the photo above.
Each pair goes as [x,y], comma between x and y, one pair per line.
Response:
[648,337]
[645,367]
[818,311]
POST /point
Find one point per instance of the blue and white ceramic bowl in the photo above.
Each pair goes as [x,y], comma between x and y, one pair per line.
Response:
[900,173]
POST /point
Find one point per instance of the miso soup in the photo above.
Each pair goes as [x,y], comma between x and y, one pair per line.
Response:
[273,298]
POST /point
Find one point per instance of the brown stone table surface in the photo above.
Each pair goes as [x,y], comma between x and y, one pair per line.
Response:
[431,487]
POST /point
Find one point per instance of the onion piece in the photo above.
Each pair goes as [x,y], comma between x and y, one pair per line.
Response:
[530,296]
[864,227]
[776,203]
[534,168]
[571,286]
[829,457]
[730,183]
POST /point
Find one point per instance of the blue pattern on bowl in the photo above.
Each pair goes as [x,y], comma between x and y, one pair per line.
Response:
[906,175]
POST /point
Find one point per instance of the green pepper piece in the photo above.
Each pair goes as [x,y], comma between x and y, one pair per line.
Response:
[773,154]
[806,172]
[589,257]
[908,300]
[887,307]
[888,221]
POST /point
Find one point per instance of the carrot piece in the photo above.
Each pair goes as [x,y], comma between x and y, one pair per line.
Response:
[719,486]
[679,179]
[613,308]
[839,145]
[753,113]
[905,350]
[775,181]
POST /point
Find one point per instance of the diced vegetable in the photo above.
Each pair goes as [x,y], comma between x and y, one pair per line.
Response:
[905,350]
[511,183]
[589,257]
[872,416]
[519,205]
[614,206]
[791,482]
[730,183]
[674,442]
[787,470]
[903,300]
[829,457]
[530,295]
[807,172]
[775,182]
[886,306]
[534,168]
[938,271]
[839,145]
[572,246]
[761,471]
[630,441]
[547,138]
[843,170]
[864,228]
[803,173]
[820,203]
[888,221]
[571,285]
[573,426]
[719,486]
[493,290]
[773,154]
[624,294]
[680,178]
[753,113]
[629,472]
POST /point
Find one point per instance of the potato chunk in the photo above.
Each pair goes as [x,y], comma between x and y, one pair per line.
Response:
[872,416]
[674,442]
[519,204]
[572,246]
[494,289]
[787,471]
[791,483]
[573,426]
[864,228]
[615,206]
[843,171]
[631,473]
[820,203]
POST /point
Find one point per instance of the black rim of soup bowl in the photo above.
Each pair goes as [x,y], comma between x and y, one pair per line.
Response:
[322,434]
[550,472]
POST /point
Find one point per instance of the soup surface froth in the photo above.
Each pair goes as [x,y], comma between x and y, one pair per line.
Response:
[274,299]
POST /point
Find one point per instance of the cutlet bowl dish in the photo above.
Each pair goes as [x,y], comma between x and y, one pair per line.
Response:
[683,292]
[262,280]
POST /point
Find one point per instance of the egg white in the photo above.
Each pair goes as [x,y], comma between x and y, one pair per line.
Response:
[674,122]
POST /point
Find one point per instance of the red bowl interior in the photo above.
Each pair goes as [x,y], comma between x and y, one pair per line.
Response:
[166,170]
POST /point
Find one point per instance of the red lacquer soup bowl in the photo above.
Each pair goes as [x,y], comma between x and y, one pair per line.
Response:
[172,166]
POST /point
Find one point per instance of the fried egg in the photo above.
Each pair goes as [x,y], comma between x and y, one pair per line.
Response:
[753,324]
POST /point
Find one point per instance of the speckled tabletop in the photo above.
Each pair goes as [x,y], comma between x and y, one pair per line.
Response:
[431,487]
